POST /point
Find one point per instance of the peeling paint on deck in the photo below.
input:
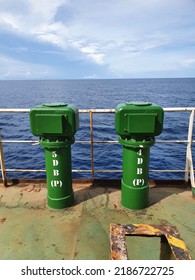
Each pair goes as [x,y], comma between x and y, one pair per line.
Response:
[30,230]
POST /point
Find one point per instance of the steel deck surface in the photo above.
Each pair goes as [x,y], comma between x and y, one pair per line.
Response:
[29,230]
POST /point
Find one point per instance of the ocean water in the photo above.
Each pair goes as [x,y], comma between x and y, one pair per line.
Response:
[96,94]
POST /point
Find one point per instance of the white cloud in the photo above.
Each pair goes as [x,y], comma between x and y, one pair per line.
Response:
[92,76]
[36,18]
[15,69]
[188,62]
[134,36]
[127,36]
[54,33]
[91,52]
[8,20]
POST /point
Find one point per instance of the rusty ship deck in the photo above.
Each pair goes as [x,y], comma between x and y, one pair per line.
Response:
[30,230]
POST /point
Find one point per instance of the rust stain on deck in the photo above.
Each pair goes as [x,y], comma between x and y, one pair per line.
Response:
[30,230]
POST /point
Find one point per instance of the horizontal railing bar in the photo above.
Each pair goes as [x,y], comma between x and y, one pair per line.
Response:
[154,170]
[25,170]
[96,170]
[167,170]
[179,109]
[13,110]
[95,141]
[42,170]
[97,111]
[16,110]
[19,141]
[172,141]
[37,142]
[174,109]
[157,141]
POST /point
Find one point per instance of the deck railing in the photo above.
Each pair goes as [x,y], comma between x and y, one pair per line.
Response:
[188,171]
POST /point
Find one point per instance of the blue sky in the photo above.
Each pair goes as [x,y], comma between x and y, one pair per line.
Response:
[81,39]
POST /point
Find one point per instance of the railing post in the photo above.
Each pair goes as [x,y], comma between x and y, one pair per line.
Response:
[91,143]
[3,171]
[189,161]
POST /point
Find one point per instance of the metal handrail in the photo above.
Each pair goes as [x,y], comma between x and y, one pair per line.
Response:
[189,170]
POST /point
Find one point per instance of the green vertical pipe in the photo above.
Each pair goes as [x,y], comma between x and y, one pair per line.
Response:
[135,187]
[59,177]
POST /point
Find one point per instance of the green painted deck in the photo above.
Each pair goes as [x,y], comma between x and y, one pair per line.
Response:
[29,230]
